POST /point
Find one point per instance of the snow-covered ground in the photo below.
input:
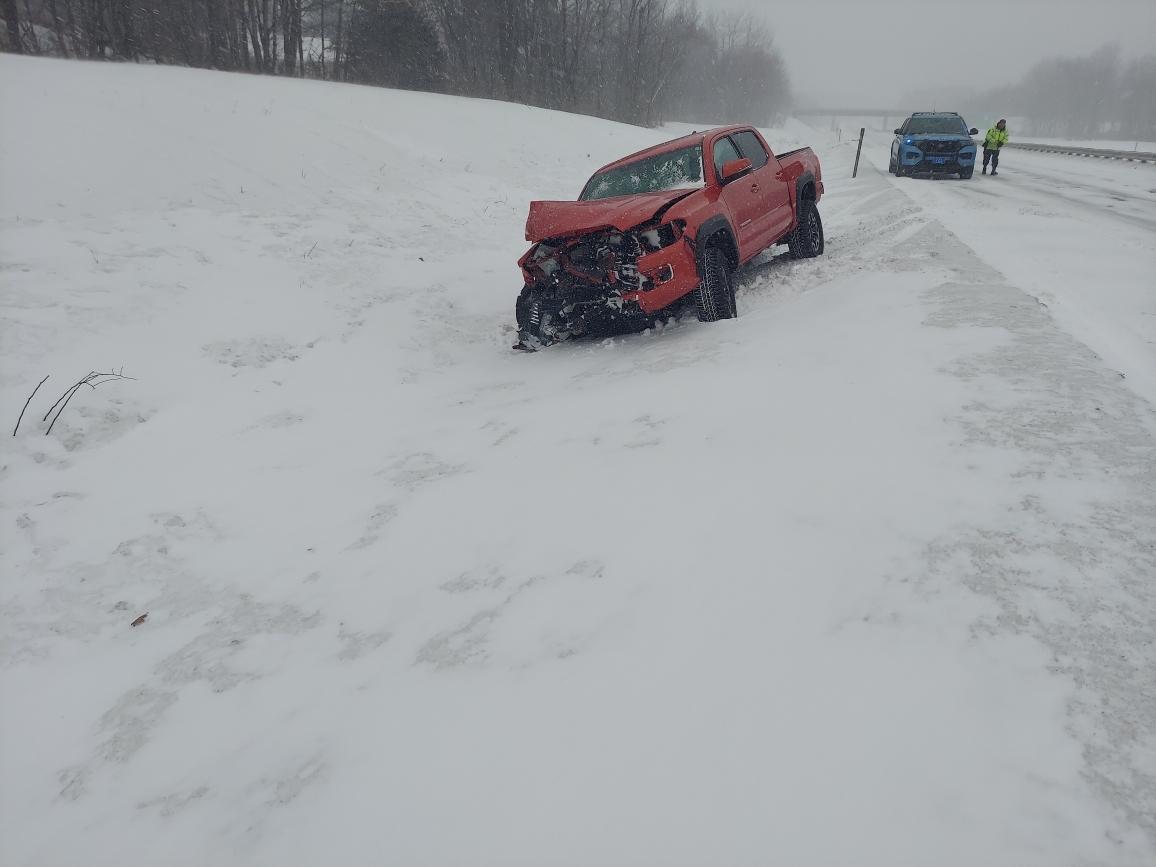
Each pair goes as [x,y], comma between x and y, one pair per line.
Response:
[864,576]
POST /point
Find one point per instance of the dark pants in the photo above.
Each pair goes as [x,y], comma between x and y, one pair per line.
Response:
[993,157]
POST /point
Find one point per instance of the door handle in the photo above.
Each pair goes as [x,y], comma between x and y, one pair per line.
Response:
[754,188]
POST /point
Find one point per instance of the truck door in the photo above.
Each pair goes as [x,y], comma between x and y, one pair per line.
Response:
[740,197]
[775,211]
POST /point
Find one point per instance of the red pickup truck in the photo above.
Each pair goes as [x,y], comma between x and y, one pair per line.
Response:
[661,227]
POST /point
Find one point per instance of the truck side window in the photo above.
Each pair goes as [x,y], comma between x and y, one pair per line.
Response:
[724,152]
[752,148]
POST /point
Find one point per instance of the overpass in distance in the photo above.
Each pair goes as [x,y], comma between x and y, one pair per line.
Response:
[885,115]
[851,112]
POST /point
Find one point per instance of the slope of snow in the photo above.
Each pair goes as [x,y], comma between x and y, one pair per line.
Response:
[861,577]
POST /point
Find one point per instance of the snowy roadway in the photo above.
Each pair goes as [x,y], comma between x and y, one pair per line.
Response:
[1075,233]
[864,577]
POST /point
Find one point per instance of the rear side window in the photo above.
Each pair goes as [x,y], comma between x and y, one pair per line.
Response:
[724,152]
[752,148]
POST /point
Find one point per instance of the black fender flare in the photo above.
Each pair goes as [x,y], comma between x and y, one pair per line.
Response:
[801,183]
[713,227]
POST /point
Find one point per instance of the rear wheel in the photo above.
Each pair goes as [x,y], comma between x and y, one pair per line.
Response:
[807,240]
[715,297]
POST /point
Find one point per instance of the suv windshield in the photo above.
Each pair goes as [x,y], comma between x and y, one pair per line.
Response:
[669,171]
[936,126]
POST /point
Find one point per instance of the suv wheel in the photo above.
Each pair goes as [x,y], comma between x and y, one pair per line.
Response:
[807,240]
[715,296]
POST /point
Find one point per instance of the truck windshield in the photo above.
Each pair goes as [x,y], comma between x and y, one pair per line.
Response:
[669,171]
[936,126]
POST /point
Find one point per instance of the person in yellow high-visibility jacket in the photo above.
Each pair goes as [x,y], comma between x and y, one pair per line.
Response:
[995,139]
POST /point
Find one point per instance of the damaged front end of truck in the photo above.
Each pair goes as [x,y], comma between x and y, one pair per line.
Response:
[598,280]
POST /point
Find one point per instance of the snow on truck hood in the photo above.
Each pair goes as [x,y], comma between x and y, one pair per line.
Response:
[555,219]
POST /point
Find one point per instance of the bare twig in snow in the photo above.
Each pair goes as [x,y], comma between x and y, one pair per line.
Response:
[21,418]
[93,380]
[68,393]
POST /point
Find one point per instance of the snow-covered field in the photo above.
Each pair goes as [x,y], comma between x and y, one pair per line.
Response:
[865,576]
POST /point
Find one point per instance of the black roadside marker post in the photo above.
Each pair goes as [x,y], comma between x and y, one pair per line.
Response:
[858,150]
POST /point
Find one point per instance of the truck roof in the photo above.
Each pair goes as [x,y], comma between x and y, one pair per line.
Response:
[694,138]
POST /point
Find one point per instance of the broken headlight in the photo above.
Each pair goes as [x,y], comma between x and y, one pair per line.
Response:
[657,237]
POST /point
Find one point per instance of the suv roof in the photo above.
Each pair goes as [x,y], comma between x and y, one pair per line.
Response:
[935,114]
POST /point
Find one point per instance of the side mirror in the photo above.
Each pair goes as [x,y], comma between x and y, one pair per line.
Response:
[899,131]
[735,169]
[973,131]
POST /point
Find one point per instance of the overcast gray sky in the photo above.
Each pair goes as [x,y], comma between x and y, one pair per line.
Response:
[875,51]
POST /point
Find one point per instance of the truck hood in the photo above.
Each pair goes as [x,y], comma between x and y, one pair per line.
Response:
[559,219]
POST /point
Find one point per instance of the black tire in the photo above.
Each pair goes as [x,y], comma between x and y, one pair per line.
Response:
[715,296]
[522,308]
[893,164]
[967,173]
[807,241]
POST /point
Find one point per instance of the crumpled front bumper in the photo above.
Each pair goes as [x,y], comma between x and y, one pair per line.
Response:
[560,301]
[666,275]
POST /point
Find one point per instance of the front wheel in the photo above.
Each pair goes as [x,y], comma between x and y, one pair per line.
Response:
[806,241]
[967,173]
[522,308]
[892,166]
[715,296]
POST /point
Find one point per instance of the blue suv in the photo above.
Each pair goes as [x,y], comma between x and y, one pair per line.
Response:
[935,142]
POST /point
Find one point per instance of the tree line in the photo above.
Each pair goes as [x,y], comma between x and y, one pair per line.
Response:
[639,61]
[1099,95]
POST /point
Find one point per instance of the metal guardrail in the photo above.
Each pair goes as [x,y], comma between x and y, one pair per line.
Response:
[1099,153]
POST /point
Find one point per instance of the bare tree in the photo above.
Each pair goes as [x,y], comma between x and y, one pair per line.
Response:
[639,61]
[12,22]
[1093,96]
